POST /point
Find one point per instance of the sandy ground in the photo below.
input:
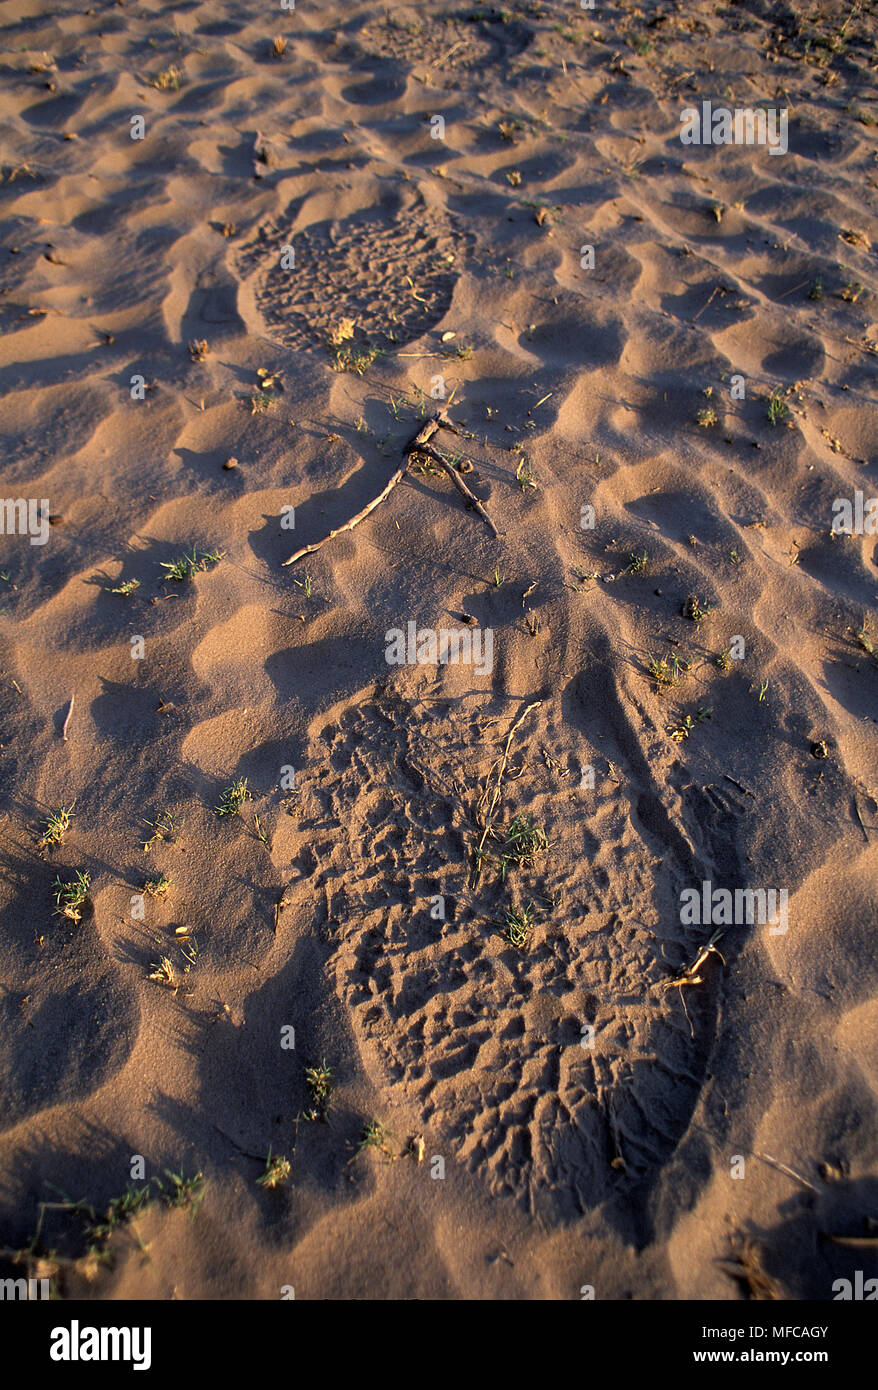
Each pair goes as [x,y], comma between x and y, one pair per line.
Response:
[604,1105]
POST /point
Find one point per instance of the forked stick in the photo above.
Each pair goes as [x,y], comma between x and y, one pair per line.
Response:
[417,444]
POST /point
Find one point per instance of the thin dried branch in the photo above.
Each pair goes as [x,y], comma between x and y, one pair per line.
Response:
[459,484]
[419,443]
[66,723]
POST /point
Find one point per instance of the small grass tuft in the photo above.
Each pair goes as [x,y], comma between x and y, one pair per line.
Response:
[666,670]
[163,828]
[349,359]
[277,1172]
[375,1136]
[187,565]
[182,1192]
[119,1212]
[165,972]
[681,731]
[778,410]
[319,1082]
[525,476]
[233,798]
[518,926]
[523,842]
[56,827]
[70,897]
[693,610]
[462,351]
[168,80]
[157,887]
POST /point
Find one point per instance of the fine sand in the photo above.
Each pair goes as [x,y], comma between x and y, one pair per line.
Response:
[688,670]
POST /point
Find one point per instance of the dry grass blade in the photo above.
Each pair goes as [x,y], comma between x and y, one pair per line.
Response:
[745,1265]
[788,1172]
[166,973]
[492,795]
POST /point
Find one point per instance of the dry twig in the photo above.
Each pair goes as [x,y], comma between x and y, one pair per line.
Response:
[419,443]
[67,718]
[459,484]
[691,974]
[788,1172]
